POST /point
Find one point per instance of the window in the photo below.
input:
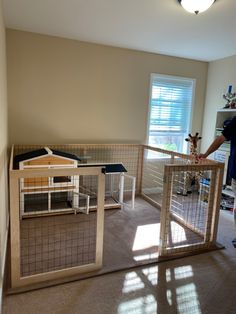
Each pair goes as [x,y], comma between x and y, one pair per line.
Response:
[170,111]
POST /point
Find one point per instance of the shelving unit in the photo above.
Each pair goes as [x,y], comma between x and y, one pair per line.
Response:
[228,192]
[223,114]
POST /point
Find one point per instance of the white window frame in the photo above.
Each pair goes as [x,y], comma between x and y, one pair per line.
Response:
[154,76]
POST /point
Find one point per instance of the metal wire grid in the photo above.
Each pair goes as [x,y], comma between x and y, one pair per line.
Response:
[57,242]
[60,242]
[50,243]
[153,172]
[152,187]
[187,223]
[47,194]
[152,181]
[191,210]
[127,154]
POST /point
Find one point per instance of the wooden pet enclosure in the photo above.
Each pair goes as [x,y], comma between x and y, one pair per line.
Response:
[58,195]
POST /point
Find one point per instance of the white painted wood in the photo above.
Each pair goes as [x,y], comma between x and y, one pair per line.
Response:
[16,279]
[216,205]
[48,150]
[121,188]
[165,210]
[52,186]
[57,274]
[15,231]
[133,179]
[100,219]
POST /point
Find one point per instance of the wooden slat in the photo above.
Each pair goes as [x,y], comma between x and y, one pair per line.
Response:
[56,189]
[15,231]
[31,182]
[165,210]
[53,275]
[48,160]
[11,158]
[216,206]
[28,173]
[100,219]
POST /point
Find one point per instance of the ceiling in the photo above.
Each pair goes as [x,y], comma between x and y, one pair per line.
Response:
[158,26]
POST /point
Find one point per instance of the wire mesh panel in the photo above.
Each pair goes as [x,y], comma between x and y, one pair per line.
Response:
[57,242]
[57,213]
[191,208]
[189,220]
[55,230]
[129,155]
[188,193]
[153,173]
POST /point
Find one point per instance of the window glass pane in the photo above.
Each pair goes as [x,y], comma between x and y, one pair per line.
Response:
[170,112]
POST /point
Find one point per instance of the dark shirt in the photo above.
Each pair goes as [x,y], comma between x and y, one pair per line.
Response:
[229,133]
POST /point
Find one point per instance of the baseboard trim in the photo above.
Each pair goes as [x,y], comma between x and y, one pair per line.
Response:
[3,267]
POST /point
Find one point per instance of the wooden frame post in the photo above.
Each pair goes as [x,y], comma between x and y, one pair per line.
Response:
[216,205]
[165,210]
[15,175]
[100,219]
[15,230]
[210,207]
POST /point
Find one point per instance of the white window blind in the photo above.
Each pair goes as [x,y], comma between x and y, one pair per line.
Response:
[171,101]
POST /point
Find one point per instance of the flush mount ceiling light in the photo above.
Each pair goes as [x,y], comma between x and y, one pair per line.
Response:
[196,6]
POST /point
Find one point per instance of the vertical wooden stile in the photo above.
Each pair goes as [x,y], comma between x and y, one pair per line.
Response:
[216,205]
[14,230]
[100,219]
[165,210]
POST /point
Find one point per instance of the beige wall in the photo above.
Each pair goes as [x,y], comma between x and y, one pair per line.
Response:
[66,91]
[3,146]
[221,74]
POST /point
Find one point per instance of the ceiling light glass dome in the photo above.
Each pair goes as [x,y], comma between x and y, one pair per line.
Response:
[196,6]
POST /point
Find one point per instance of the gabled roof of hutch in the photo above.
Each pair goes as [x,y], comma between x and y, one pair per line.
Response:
[42,153]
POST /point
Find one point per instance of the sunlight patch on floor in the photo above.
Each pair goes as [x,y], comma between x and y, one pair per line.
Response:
[169,297]
[187,299]
[132,283]
[183,272]
[179,273]
[151,273]
[178,234]
[146,236]
[146,257]
[184,296]
[168,275]
[141,305]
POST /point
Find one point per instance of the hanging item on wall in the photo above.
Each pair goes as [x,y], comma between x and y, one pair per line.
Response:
[230,98]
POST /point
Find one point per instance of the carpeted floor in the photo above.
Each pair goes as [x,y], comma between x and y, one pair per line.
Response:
[200,284]
[131,238]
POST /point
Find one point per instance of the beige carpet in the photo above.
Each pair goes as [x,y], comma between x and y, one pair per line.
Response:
[131,238]
[200,284]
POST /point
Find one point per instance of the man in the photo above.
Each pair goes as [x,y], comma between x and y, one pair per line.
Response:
[228,134]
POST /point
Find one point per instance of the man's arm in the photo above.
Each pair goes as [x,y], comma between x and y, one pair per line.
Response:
[214,146]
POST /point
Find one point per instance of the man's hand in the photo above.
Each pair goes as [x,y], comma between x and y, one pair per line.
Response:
[201,156]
